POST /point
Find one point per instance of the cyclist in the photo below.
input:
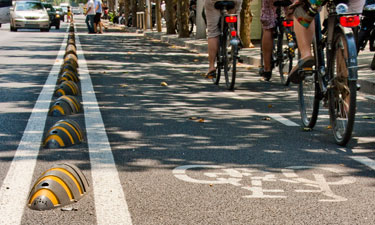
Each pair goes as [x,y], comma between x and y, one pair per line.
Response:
[213,32]
[304,27]
[268,21]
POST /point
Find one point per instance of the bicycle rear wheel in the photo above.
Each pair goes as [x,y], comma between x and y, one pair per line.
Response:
[342,93]
[230,62]
[219,60]
[309,93]
[284,57]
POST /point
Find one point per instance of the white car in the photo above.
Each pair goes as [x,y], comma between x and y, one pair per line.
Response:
[29,15]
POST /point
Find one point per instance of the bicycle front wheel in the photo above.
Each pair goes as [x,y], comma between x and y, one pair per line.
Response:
[230,62]
[308,93]
[342,93]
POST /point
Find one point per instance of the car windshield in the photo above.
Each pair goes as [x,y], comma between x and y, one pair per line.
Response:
[28,6]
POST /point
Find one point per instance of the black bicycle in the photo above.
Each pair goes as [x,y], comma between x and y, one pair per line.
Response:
[333,80]
[283,52]
[229,44]
[367,31]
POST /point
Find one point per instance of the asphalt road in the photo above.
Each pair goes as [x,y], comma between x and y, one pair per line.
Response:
[188,152]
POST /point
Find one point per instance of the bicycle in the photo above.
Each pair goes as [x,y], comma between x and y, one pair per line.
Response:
[335,80]
[367,31]
[229,44]
[282,55]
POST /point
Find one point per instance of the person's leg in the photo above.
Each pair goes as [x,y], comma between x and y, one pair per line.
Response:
[267,45]
[304,37]
[213,32]
[213,45]
[92,23]
[268,20]
[88,23]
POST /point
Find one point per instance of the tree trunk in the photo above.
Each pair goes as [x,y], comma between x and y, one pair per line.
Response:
[134,12]
[183,18]
[127,10]
[170,14]
[158,15]
[246,19]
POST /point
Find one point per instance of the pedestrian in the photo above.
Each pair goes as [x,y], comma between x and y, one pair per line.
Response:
[90,15]
[213,32]
[98,14]
[162,9]
[69,15]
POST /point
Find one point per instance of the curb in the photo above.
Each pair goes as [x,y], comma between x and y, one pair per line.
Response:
[251,56]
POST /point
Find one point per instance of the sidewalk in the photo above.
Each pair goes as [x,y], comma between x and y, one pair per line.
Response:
[252,56]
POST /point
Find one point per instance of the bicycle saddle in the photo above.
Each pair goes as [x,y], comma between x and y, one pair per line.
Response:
[282,3]
[224,4]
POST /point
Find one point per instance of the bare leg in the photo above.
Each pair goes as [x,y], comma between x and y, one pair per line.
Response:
[101,26]
[267,45]
[213,45]
[95,27]
[304,37]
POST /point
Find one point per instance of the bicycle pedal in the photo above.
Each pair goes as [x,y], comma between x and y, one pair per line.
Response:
[358,87]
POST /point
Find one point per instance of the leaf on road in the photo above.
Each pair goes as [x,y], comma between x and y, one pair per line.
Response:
[69,209]
[266,118]
[270,105]
[164,84]
[124,85]
[196,60]
[197,119]
[306,129]
[329,127]
[368,117]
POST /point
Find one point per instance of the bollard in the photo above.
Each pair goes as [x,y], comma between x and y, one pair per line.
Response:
[67,88]
[60,185]
[63,133]
[65,105]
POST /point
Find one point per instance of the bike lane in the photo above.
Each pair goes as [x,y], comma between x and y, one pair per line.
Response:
[188,152]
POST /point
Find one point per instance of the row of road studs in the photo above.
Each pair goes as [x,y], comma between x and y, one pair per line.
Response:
[64,183]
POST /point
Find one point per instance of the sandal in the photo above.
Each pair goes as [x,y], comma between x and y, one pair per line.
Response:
[295,76]
[211,74]
[266,76]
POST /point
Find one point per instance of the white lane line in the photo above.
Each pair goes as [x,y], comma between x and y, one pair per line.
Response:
[364,160]
[110,204]
[15,189]
[283,120]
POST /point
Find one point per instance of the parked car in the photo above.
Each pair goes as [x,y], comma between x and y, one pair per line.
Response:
[59,11]
[54,17]
[29,15]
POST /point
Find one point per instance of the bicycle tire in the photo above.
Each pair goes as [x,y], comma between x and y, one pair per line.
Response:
[261,66]
[343,92]
[285,61]
[216,79]
[309,93]
[230,62]
[219,60]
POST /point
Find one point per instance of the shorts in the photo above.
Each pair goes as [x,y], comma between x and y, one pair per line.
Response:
[213,16]
[97,17]
[268,14]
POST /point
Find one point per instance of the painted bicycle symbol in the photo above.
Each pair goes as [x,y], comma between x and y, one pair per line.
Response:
[259,178]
